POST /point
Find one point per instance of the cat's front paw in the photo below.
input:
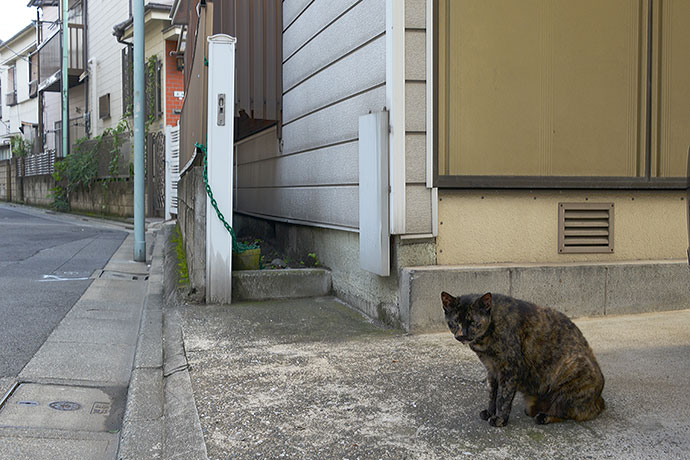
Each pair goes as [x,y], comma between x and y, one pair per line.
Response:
[541,419]
[485,415]
[498,421]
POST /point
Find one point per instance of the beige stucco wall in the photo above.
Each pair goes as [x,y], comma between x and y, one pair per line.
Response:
[494,226]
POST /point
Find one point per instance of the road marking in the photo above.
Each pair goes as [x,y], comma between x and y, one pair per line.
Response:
[58,278]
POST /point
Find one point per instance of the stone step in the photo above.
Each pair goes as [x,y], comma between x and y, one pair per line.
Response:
[280,284]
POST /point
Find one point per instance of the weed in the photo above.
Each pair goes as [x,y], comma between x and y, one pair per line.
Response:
[182,269]
[314,259]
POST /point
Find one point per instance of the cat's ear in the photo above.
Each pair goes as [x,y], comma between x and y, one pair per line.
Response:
[486,301]
[447,300]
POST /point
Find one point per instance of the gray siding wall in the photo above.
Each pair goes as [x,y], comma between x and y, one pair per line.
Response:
[334,70]
[418,197]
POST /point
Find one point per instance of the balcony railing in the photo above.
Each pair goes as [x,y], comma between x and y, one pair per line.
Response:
[11,98]
[50,58]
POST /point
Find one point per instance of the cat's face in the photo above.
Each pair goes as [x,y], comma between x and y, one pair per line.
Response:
[469,316]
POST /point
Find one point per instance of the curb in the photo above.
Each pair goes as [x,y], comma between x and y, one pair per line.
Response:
[161,421]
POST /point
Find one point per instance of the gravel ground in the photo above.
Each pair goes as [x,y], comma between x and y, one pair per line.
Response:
[311,379]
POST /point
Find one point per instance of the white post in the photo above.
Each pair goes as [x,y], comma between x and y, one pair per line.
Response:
[221,122]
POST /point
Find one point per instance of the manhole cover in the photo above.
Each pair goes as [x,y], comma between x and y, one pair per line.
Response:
[65,405]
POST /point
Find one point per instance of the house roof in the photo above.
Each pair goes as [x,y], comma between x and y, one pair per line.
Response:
[18,34]
[120,29]
[178,12]
[40,3]
[17,52]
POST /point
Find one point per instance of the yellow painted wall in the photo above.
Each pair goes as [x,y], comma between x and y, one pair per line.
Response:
[494,226]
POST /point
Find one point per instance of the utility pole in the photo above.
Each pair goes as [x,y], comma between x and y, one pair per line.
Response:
[139,114]
[65,76]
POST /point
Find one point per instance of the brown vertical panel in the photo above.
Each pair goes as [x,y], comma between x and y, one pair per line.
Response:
[243,62]
[278,62]
[258,56]
[271,26]
[673,92]
[541,87]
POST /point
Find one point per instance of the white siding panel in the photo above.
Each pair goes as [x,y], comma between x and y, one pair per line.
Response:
[415,14]
[415,106]
[319,14]
[292,9]
[418,210]
[415,55]
[337,206]
[258,147]
[335,124]
[360,70]
[359,25]
[415,158]
[337,165]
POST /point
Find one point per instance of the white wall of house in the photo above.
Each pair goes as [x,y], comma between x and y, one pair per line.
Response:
[106,55]
[26,110]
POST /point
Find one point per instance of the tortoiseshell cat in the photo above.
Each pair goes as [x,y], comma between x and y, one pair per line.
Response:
[535,350]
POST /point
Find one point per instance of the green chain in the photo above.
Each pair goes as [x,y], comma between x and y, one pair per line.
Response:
[237,246]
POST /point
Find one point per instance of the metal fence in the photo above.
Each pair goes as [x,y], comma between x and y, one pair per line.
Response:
[36,165]
[112,163]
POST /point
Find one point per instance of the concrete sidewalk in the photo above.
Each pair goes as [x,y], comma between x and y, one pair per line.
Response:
[311,379]
[69,400]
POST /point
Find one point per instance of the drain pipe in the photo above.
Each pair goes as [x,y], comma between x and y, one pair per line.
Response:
[139,221]
[65,76]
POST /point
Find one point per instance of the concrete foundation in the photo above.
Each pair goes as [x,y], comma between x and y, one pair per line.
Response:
[577,290]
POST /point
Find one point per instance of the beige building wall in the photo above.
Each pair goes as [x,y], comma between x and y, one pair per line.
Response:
[515,227]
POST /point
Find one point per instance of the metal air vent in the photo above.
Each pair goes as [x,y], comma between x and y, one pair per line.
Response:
[585,228]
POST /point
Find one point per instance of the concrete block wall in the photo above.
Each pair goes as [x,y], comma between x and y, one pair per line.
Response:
[115,198]
[16,190]
[191,216]
[5,180]
[36,190]
[575,289]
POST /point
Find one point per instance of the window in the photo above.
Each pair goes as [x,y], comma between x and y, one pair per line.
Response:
[104,106]
[556,92]
[153,82]
[11,97]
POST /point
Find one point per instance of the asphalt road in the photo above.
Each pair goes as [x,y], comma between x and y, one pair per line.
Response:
[45,264]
